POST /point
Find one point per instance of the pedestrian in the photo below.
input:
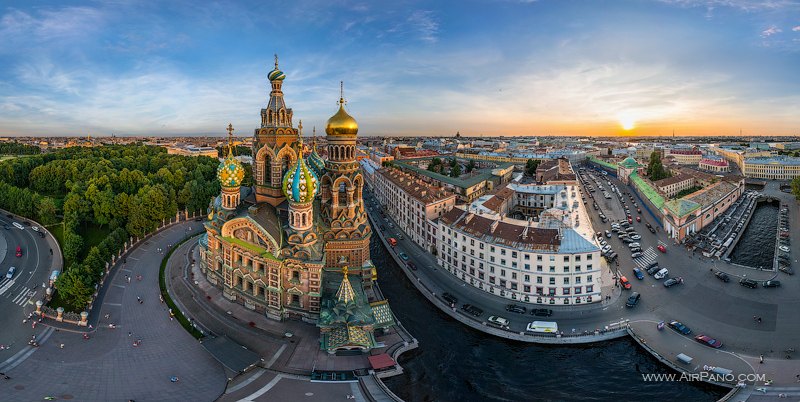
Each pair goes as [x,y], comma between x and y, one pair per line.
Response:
[761,359]
[5,376]
[139,299]
[61,346]
[107,315]
[128,278]
[161,298]
[130,333]
[755,318]
[759,320]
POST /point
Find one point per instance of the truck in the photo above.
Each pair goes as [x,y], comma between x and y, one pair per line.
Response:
[544,327]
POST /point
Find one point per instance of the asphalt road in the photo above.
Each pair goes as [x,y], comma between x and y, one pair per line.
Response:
[704,303]
[19,293]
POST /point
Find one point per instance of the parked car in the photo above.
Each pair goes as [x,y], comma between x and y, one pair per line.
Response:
[638,218]
[516,308]
[748,283]
[636,236]
[623,281]
[636,250]
[636,254]
[477,312]
[403,255]
[722,276]
[633,299]
[608,234]
[499,321]
[680,328]
[661,274]
[786,269]
[771,284]
[672,282]
[708,341]
[784,249]
[450,298]
[411,266]
[541,312]
[634,245]
[638,273]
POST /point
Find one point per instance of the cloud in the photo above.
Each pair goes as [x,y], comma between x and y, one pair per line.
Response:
[425,25]
[796,29]
[743,5]
[56,25]
[770,31]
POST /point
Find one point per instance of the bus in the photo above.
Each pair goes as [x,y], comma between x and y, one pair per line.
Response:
[18,226]
[546,327]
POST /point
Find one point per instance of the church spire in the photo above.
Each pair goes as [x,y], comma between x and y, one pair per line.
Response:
[345,294]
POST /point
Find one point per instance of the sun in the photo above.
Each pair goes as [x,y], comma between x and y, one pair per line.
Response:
[627,123]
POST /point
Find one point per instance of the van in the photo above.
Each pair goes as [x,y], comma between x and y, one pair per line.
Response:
[661,274]
[545,327]
[18,226]
[499,321]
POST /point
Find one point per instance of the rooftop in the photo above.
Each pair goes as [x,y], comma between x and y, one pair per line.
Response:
[711,194]
[414,187]
[494,231]
[477,176]
[774,160]
[673,180]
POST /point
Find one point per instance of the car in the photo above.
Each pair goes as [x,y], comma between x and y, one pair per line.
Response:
[626,239]
[639,210]
[623,281]
[7,227]
[403,255]
[633,299]
[477,312]
[603,243]
[722,276]
[786,269]
[661,274]
[651,229]
[784,249]
[411,265]
[638,218]
[606,248]
[499,321]
[771,284]
[680,328]
[541,312]
[636,250]
[383,227]
[652,264]
[35,228]
[672,282]
[608,234]
[629,219]
[638,273]
[708,341]
[19,251]
[11,272]
[661,248]
[599,235]
[636,236]
[637,254]
[516,308]
[634,245]
[748,283]
[450,298]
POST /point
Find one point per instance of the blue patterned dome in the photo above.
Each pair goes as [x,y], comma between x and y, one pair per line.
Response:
[230,171]
[316,161]
[300,183]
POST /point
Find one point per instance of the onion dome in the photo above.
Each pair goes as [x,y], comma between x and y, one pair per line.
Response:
[341,123]
[276,74]
[315,160]
[300,183]
[230,171]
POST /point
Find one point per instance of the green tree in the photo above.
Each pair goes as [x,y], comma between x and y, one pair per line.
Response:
[46,211]
[455,171]
[471,165]
[76,285]
[73,243]
[655,170]
[796,187]
[530,167]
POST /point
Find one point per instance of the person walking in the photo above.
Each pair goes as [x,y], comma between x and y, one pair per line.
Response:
[761,359]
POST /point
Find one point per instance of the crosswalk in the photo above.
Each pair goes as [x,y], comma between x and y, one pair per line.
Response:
[648,256]
[18,294]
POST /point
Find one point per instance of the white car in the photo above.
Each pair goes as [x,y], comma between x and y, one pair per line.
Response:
[499,321]
[661,274]
[634,245]
[784,249]
[606,248]
[603,243]
[636,237]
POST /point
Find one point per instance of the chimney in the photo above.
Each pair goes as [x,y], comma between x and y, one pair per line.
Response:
[494,226]
[468,218]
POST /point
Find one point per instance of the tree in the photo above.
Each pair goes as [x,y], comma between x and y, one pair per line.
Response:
[455,171]
[655,170]
[453,162]
[76,286]
[471,165]
[530,166]
[796,187]
[73,243]
[46,211]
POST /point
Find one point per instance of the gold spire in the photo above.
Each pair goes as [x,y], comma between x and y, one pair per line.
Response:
[341,123]
[276,61]
[345,293]
[230,138]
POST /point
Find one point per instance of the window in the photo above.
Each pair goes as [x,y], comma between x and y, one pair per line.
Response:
[491,258]
[566,258]
[538,258]
[513,254]
[471,242]
[513,275]
[527,267]
[513,264]
[538,279]
[552,258]
[588,278]
[491,269]
[503,261]
[552,281]
[539,268]
[526,289]
[565,291]
[502,251]
[566,269]
[589,288]
[577,279]
[491,249]
[577,258]
[527,278]
[577,290]
[552,269]
[577,268]
[480,245]
[527,257]
[589,267]
[588,257]
[502,272]
[566,281]
[480,255]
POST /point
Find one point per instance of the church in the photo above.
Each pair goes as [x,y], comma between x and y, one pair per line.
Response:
[295,245]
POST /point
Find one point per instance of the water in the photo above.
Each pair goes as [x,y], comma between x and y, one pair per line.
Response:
[456,363]
[756,248]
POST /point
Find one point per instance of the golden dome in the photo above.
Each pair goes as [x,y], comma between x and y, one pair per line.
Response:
[341,123]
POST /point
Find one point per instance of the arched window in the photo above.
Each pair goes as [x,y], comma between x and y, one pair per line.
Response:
[304,219]
[296,275]
[342,194]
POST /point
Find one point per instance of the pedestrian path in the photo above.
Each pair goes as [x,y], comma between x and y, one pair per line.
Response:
[18,294]
[648,257]
[5,285]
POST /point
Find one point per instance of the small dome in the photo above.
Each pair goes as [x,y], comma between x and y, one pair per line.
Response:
[276,75]
[300,183]
[341,123]
[316,161]
[230,171]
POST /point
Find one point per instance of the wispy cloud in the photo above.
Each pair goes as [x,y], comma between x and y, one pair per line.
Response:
[744,5]
[796,29]
[424,23]
[57,25]
[770,31]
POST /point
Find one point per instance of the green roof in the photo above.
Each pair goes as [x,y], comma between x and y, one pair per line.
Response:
[647,190]
[602,162]
[252,247]
[630,163]
[682,207]
[482,175]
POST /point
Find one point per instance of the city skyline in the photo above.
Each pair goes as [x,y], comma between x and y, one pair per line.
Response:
[711,67]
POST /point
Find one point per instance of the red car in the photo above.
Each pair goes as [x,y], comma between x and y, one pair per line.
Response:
[638,219]
[19,251]
[661,248]
[624,282]
[630,220]
[708,341]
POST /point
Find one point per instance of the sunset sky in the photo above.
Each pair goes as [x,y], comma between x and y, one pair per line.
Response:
[500,67]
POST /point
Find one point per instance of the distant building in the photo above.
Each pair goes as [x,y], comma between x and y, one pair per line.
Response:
[674,185]
[775,167]
[192,150]
[469,186]
[685,156]
[713,163]
[380,157]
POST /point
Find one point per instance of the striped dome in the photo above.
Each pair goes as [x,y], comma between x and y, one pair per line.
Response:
[230,171]
[276,75]
[300,183]
[316,161]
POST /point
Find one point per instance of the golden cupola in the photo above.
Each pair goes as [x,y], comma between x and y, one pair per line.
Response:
[341,123]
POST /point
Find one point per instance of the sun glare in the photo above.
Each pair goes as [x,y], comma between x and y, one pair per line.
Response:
[627,122]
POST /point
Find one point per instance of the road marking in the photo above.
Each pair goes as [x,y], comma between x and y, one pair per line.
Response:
[275,357]
[6,286]
[21,295]
[246,382]
[113,304]
[263,390]
[119,286]
[23,354]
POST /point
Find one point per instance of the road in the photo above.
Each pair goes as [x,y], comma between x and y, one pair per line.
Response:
[17,294]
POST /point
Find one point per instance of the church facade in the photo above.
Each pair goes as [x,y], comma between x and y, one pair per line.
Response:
[296,244]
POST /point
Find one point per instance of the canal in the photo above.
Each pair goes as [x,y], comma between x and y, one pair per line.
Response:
[756,248]
[455,363]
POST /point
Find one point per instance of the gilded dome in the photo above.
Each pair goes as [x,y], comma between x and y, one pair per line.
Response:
[341,123]
[300,183]
[230,171]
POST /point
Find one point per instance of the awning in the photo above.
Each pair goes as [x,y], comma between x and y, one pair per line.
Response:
[381,361]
